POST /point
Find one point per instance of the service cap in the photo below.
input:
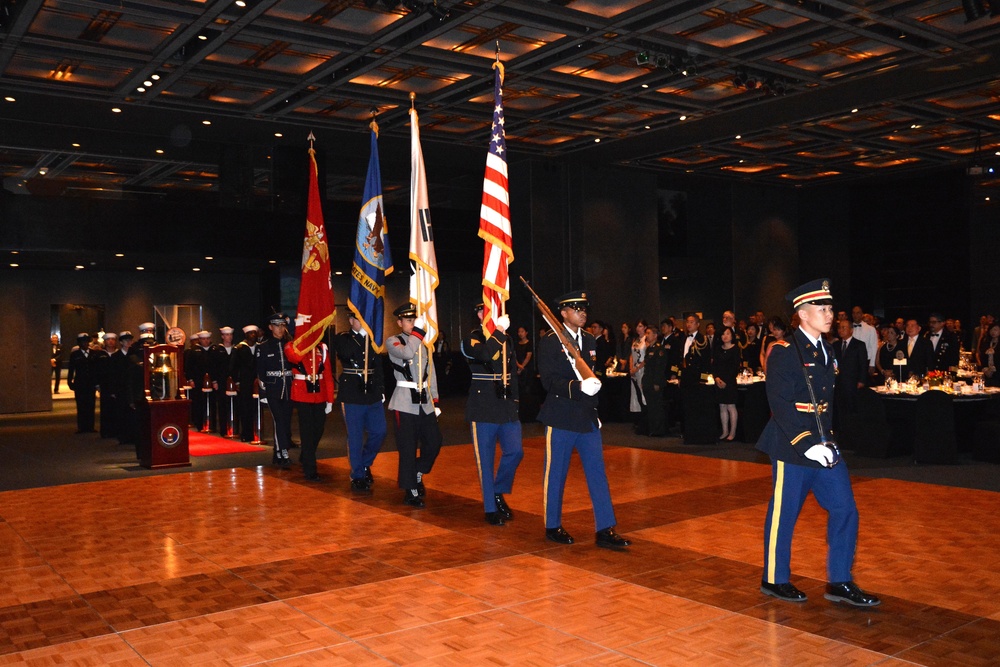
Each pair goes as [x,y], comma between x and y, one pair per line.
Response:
[816,292]
[278,318]
[406,310]
[83,336]
[126,335]
[575,299]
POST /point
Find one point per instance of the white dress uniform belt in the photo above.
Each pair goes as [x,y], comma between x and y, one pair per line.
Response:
[311,378]
[490,376]
[357,371]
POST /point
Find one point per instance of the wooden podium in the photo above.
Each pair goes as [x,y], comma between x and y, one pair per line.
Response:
[164,415]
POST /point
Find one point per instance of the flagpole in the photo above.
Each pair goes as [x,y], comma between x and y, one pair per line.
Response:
[503,302]
[420,295]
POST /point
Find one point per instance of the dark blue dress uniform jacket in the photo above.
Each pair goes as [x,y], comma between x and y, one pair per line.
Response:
[485,357]
[792,428]
[566,406]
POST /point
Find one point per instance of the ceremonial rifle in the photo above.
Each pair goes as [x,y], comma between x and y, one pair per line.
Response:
[581,367]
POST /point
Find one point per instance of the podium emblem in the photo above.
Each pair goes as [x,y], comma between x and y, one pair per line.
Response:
[170,435]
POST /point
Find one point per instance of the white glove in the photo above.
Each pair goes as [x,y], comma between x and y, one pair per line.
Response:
[383,398]
[420,323]
[503,323]
[590,386]
[437,412]
[329,408]
[821,454]
[263,401]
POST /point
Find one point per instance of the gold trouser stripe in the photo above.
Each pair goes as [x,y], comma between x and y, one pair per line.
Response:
[772,539]
[343,411]
[475,448]
[548,468]
[796,439]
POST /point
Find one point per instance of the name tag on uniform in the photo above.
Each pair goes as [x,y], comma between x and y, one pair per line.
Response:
[807,365]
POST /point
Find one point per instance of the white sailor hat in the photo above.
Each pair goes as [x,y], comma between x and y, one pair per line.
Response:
[225,330]
[110,334]
[125,335]
[250,327]
[203,334]
[146,326]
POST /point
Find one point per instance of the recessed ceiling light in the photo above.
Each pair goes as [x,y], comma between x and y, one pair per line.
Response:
[597,140]
[76,145]
[78,267]
[159,151]
[240,3]
[147,83]
[741,161]
[278,134]
[338,273]
[196,269]
[987,199]
[209,257]
[206,122]
[645,85]
[203,37]
[140,268]
[15,252]
[664,278]
[647,127]
[684,117]
[140,89]
[154,77]
[739,136]
[15,264]
[914,127]
[42,171]
[854,110]
[271,261]
[115,110]
[10,99]
[119,254]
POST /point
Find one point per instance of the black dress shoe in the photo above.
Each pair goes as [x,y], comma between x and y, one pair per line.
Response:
[369,478]
[412,498]
[360,486]
[609,539]
[558,535]
[848,591]
[314,478]
[786,592]
[494,518]
[281,461]
[502,508]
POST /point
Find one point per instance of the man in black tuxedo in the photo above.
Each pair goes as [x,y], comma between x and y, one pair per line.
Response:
[852,372]
[945,344]
[918,350]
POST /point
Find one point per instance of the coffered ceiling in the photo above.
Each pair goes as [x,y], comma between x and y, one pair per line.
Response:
[793,92]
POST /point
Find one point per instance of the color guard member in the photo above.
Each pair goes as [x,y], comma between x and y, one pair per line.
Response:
[800,386]
[569,414]
[492,413]
[414,402]
[312,396]
[275,374]
[362,393]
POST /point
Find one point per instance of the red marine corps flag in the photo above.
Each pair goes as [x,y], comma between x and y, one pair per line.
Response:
[494,216]
[316,306]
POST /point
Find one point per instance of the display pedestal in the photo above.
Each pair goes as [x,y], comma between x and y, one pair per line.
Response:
[163,433]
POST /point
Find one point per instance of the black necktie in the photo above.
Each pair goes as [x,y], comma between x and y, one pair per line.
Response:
[844,350]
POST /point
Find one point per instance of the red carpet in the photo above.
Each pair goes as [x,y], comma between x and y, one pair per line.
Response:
[205,444]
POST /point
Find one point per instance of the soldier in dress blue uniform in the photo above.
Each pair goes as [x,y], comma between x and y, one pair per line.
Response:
[492,413]
[803,455]
[570,418]
[362,393]
[275,374]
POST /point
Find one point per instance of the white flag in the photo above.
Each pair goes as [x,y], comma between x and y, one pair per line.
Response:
[423,262]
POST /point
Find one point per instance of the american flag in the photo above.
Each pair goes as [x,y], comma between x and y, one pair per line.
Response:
[494,216]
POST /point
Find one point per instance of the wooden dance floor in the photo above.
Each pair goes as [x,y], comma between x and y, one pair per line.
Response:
[254,566]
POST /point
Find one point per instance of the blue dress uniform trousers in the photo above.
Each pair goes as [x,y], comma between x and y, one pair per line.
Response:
[484,440]
[280,407]
[559,446]
[832,488]
[361,419]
